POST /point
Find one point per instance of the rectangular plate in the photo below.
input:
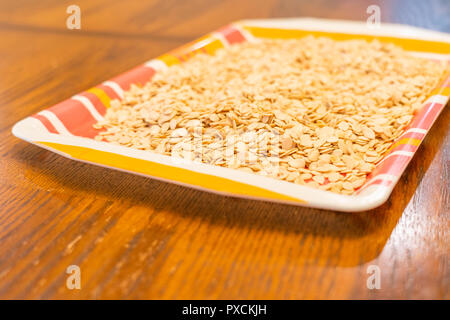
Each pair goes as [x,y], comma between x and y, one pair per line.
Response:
[66,128]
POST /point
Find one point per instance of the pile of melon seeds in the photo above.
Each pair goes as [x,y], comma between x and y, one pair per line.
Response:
[310,111]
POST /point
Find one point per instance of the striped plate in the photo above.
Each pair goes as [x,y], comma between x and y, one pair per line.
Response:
[66,128]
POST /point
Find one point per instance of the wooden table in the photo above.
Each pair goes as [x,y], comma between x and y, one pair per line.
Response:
[134,237]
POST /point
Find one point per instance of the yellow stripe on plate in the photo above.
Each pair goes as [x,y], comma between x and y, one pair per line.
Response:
[166,172]
[104,98]
[206,44]
[213,46]
[407,44]
[445,91]
[168,59]
[411,141]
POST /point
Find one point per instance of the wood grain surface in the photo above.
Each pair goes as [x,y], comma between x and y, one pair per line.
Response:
[134,237]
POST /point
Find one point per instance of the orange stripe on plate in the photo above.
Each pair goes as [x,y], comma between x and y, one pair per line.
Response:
[232,34]
[407,44]
[104,98]
[166,172]
[47,124]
